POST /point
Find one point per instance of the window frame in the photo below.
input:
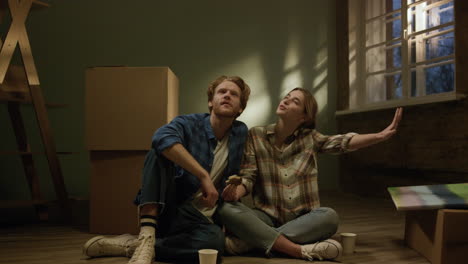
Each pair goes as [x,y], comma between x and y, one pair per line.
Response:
[351,100]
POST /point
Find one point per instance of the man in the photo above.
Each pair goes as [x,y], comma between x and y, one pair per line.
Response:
[183,175]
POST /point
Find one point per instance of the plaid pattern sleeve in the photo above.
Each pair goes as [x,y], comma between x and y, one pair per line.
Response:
[335,144]
[249,164]
[283,181]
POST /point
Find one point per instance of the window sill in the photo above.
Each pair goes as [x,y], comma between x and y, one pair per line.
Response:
[452,96]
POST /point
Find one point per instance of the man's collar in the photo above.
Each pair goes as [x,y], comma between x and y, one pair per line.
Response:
[208,128]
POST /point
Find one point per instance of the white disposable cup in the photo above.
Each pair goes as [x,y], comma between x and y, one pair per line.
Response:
[348,240]
[207,256]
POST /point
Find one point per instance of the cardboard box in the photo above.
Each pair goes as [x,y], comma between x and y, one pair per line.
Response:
[125,106]
[439,235]
[115,181]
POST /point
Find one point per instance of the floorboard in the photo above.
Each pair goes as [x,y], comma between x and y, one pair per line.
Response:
[378,226]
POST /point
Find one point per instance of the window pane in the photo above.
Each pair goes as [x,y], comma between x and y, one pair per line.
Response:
[439,46]
[440,14]
[394,55]
[396,27]
[375,32]
[432,45]
[426,15]
[383,29]
[381,58]
[394,86]
[376,8]
[382,87]
[440,79]
[432,80]
[381,23]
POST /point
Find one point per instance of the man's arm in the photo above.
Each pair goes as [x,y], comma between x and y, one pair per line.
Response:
[365,140]
[169,142]
[180,156]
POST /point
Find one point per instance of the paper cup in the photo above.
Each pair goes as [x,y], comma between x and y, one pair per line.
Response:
[207,256]
[348,241]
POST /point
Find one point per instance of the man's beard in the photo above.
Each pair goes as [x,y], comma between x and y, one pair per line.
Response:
[225,114]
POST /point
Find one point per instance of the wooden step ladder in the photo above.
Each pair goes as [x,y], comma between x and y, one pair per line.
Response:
[19,85]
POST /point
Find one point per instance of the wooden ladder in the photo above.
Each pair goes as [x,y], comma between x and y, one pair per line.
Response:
[19,85]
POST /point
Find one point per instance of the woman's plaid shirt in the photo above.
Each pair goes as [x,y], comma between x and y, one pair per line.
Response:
[283,182]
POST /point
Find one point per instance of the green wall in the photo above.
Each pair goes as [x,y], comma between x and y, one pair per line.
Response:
[274,45]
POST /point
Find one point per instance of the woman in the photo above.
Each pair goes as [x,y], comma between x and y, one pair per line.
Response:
[280,170]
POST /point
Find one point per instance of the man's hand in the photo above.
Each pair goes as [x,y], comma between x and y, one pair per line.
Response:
[392,128]
[210,194]
[233,193]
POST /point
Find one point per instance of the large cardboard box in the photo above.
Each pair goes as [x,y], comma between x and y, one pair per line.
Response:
[125,105]
[115,181]
[439,235]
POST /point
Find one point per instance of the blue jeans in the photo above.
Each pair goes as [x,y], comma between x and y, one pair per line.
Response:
[182,230]
[261,231]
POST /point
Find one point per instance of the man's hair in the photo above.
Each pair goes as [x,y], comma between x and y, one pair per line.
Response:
[310,108]
[245,89]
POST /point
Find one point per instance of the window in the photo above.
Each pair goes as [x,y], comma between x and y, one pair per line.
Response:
[401,52]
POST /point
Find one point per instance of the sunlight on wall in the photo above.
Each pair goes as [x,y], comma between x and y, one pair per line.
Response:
[321,72]
[352,83]
[320,82]
[291,81]
[321,95]
[258,108]
[292,53]
[353,35]
[292,77]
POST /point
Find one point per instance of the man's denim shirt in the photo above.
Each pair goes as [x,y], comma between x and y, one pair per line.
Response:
[194,132]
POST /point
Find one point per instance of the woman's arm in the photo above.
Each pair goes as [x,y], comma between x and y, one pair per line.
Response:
[365,140]
[248,173]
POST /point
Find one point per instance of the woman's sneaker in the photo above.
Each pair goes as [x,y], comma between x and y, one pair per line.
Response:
[328,249]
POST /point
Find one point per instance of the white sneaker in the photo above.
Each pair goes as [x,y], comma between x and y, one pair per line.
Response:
[144,253]
[99,246]
[327,249]
[236,246]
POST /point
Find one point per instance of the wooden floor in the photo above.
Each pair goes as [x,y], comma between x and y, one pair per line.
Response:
[378,225]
